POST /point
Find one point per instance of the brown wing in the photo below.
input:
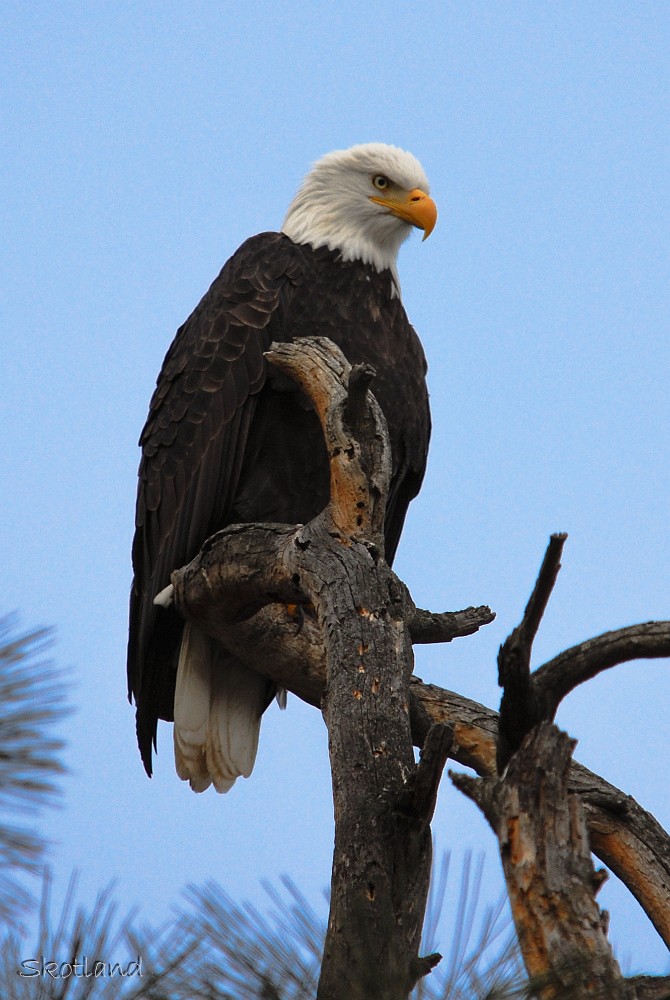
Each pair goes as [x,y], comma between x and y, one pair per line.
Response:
[193,445]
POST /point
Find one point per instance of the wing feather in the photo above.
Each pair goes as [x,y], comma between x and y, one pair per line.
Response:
[192,450]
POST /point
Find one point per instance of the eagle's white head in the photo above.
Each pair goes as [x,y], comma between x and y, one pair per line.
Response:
[363,202]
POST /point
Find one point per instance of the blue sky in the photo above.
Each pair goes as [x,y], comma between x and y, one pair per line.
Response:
[143,143]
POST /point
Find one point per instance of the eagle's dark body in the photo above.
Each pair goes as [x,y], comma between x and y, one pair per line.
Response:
[227,441]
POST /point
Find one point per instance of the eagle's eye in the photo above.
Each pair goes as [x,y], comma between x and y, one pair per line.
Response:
[380,182]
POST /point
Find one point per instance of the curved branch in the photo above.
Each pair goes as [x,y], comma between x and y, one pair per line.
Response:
[561,675]
[630,841]
[626,838]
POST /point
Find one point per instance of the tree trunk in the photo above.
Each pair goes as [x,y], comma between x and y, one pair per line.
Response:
[352,655]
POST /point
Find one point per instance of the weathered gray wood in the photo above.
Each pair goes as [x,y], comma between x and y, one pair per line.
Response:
[334,567]
[382,854]
[350,652]
[544,847]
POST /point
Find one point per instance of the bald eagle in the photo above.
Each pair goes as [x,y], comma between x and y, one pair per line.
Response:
[227,441]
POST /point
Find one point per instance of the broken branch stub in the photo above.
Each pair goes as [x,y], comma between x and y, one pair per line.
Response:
[520,708]
[359,456]
[545,852]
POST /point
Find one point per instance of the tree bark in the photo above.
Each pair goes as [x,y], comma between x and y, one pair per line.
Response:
[544,846]
[625,837]
[334,569]
[350,652]
[382,855]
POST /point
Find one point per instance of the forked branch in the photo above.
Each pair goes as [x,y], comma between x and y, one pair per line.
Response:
[351,655]
[520,708]
[530,698]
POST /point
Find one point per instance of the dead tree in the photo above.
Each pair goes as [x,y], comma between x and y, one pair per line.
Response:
[352,656]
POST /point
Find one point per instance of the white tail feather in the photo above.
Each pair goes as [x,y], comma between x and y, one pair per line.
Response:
[166,597]
[217,714]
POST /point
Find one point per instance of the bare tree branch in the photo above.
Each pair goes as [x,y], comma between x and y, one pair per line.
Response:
[556,678]
[520,708]
[524,634]
[360,455]
[627,838]
[562,976]
[546,858]
[433,626]
[649,988]
[624,836]
[237,589]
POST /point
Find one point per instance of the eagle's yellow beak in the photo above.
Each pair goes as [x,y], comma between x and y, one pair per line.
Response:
[415,207]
